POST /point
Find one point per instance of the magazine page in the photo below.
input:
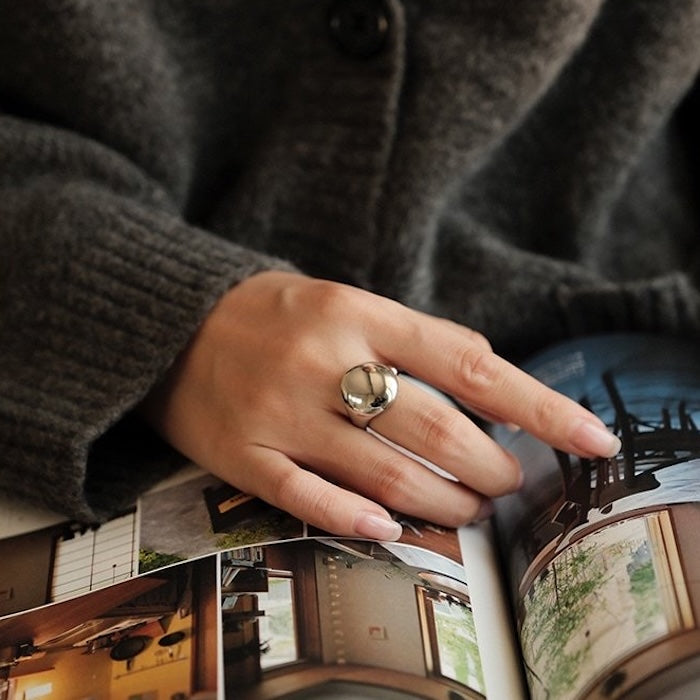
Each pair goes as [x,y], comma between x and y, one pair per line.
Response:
[493,618]
[201,592]
[327,617]
[308,615]
[603,554]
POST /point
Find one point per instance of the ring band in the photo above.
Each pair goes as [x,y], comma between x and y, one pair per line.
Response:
[367,390]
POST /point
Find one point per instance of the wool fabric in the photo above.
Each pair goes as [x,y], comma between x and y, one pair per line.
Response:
[526,168]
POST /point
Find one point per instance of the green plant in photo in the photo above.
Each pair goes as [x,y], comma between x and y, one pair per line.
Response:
[557,605]
[277,526]
[150,560]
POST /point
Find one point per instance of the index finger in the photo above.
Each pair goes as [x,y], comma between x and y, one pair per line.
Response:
[459,363]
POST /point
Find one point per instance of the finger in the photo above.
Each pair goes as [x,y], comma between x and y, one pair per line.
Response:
[273,477]
[486,416]
[354,458]
[436,352]
[522,401]
[451,400]
[429,427]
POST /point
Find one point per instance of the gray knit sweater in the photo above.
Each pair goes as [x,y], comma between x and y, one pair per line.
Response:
[527,168]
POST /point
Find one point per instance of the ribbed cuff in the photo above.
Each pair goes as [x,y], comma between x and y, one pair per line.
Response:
[106,297]
[668,305]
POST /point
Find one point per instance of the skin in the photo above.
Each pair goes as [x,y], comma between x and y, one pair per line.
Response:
[255,399]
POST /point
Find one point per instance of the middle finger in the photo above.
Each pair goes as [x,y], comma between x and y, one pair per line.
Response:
[360,461]
[431,428]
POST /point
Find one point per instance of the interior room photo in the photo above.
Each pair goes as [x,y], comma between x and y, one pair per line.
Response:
[321,618]
[149,637]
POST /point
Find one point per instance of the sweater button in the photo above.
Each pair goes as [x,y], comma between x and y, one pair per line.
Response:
[359,27]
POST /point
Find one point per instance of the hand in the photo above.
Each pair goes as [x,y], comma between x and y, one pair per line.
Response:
[255,399]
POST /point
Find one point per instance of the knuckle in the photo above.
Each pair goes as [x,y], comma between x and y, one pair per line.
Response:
[438,429]
[323,297]
[322,505]
[293,493]
[388,479]
[331,298]
[545,411]
[474,366]
[286,490]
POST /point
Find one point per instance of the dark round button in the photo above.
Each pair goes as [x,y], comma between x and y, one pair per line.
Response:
[359,27]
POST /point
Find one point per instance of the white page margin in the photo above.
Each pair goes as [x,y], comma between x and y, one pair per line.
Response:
[500,661]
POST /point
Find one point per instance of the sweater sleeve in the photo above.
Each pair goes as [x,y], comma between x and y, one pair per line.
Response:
[115,131]
[102,283]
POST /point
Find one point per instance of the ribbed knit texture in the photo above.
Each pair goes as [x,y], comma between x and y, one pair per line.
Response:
[525,168]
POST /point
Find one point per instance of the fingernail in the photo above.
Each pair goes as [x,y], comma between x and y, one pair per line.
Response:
[591,438]
[376,527]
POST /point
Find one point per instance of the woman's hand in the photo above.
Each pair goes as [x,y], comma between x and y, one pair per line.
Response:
[255,399]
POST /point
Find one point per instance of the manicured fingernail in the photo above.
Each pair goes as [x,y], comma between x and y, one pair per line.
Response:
[376,527]
[593,439]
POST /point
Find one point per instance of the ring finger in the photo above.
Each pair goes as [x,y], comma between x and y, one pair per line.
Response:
[360,461]
[429,427]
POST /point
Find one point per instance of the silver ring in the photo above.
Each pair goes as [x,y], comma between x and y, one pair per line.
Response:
[367,390]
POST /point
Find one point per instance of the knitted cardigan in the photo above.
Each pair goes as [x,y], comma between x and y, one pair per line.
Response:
[526,168]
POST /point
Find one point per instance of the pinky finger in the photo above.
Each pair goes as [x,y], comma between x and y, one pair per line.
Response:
[280,482]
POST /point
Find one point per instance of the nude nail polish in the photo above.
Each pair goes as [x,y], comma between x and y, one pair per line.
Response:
[593,439]
[376,527]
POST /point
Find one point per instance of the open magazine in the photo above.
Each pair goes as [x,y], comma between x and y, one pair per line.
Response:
[586,584]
